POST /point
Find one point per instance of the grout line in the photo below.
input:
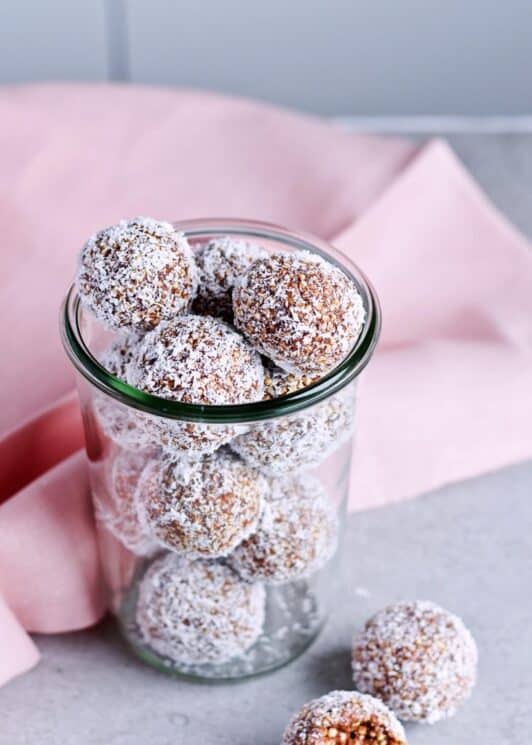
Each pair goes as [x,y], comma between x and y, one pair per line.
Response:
[437,124]
[117,40]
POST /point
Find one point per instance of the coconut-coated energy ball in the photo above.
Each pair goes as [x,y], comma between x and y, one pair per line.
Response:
[121,423]
[194,611]
[418,658]
[196,360]
[299,310]
[344,718]
[297,441]
[297,534]
[204,508]
[137,273]
[117,510]
[220,262]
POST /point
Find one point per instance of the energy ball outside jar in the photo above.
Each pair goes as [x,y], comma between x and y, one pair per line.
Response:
[137,273]
[220,262]
[197,611]
[196,360]
[418,658]
[117,511]
[204,508]
[344,718]
[296,536]
[298,441]
[302,312]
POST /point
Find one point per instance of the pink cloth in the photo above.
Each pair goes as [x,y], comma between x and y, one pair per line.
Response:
[447,396]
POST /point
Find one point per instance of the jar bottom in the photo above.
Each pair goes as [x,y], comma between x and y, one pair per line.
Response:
[293,620]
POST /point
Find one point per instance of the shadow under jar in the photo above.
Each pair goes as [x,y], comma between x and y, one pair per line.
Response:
[219,527]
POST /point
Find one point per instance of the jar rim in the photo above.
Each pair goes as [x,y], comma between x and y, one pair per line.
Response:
[349,368]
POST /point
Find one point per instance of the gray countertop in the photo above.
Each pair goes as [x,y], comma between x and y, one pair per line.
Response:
[466,546]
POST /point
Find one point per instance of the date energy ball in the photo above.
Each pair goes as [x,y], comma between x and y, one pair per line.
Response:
[137,273]
[196,360]
[299,310]
[301,440]
[418,658]
[220,262]
[193,611]
[204,509]
[117,511]
[296,536]
[122,424]
[344,718]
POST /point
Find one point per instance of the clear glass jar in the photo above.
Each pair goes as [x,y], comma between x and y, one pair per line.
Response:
[255,607]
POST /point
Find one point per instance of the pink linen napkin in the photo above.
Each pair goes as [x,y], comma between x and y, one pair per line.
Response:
[446,397]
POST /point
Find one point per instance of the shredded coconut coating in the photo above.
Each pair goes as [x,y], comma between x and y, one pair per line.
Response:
[418,658]
[198,611]
[137,273]
[117,511]
[197,360]
[298,441]
[296,536]
[344,718]
[299,310]
[220,262]
[205,509]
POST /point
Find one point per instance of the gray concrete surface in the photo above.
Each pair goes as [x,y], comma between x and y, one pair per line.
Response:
[467,546]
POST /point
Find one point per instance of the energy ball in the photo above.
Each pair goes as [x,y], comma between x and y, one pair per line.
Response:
[137,273]
[299,310]
[205,508]
[196,360]
[344,718]
[117,512]
[198,611]
[298,441]
[122,424]
[296,536]
[220,262]
[418,658]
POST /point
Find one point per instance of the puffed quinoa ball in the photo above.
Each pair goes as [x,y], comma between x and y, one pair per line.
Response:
[299,310]
[297,534]
[204,508]
[117,509]
[220,262]
[344,718]
[193,611]
[301,440]
[196,360]
[137,273]
[418,658]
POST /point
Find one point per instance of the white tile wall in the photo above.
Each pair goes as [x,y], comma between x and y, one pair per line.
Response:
[372,57]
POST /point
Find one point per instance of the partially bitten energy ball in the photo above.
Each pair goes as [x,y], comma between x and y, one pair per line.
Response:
[302,312]
[204,508]
[297,441]
[418,658]
[344,718]
[198,611]
[296,536]
[221,261]
[117,510]
[137,273]
[196,360]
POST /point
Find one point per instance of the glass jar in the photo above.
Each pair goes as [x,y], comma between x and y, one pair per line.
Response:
[265,596]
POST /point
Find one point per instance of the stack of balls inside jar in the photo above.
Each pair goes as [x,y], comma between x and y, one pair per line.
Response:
[219,511]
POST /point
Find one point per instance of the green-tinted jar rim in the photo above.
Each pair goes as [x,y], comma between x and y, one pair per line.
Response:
[334,381]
